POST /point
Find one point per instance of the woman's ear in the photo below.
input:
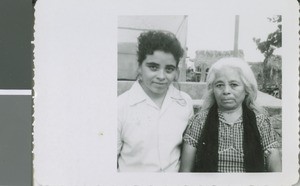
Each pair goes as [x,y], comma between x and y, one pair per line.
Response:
[246,93]
[177,74]
[139,71]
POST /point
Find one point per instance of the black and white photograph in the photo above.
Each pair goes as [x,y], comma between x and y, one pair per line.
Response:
[157,131]
[153,93]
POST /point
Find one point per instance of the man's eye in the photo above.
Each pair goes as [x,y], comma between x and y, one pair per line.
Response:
[169,70]
[153,68]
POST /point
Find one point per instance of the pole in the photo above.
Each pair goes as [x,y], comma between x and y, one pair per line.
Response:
[236,36]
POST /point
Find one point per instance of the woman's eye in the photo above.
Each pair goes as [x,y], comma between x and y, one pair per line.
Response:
[219,85]
[153,68]
[234,85]
[169,70]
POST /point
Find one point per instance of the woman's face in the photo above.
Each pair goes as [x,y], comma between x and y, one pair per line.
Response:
[157,72]
[229,90]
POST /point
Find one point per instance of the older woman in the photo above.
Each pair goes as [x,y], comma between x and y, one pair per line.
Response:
[231,133]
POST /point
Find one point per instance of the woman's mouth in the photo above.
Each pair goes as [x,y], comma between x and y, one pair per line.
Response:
[227,100]
[160,84]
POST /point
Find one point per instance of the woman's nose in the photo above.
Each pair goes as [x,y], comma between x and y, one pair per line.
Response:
[161,74]
[226,89]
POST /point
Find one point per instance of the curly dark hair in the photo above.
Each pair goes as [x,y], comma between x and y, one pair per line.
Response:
[150,41]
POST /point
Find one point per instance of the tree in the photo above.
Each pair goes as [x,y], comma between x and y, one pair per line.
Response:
[267,47]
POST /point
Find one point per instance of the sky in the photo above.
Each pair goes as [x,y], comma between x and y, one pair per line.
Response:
[216,32]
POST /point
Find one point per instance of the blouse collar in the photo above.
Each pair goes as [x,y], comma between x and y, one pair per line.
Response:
[222,118]
[138,95]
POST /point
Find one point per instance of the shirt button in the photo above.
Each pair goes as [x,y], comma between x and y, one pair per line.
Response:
[231,135]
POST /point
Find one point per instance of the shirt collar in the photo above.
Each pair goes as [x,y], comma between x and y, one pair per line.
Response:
[176,96]
[221,118]
[138,95]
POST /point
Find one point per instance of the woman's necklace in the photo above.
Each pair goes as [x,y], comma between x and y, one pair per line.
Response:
[232,116]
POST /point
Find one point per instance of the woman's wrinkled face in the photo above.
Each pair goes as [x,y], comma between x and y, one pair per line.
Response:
[157,72]
[229,90]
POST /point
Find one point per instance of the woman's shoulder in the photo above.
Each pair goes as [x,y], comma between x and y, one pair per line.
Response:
[181,97]
[261,114]
[124,96]
[132,92]
[200,116]
[203,113]
[262,118]
[197,122]
[124,100]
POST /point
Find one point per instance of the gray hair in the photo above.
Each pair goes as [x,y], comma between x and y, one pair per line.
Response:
[246,75]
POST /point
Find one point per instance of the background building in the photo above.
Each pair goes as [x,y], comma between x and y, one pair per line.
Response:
[205,58]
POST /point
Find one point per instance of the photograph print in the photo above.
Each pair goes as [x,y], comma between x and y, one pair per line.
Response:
[199,94]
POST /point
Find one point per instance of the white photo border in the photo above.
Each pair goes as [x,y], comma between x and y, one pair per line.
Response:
[76,90]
